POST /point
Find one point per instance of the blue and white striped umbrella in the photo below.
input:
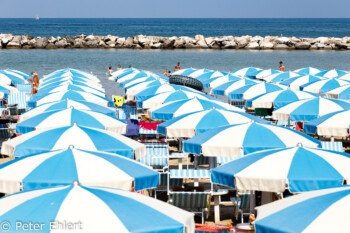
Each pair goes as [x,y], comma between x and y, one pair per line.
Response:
[342,92]
[116,73]
[154,90]
[6,89]
[332,124]
[332,73]
[250,91]
[296,169]
[65,73]
[7,78]
[278,99]
[308,71]
[232,140]
[78,208]
[63,167]
[66,117]
[215,82]
[307,110]
[133,90]
[318,211]
[184,72]
[97,86]
[73,95]
[65,104]
[132,82]
[69,78]
[134,75]
[242,72]
[280,77]
[25,75]
[66,87]
[181,107]
[210,75]
[226,88]
[196,73]
[167,97]
[296,82]
[81,137]
[260,74]
[324,86]
[345,77]
[193,124]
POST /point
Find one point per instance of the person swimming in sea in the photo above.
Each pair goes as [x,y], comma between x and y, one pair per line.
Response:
[119,67]
[177,67]
[282,68]
[110,70]
[166,73]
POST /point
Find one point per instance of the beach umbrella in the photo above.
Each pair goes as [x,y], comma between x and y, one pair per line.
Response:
[309,109]
[134,75]
[296,82]
[73,95]
[69,78]
[260,74]
[116,73]
[332,124]
[132,82]
[97,86]
[65,104]
[317,211]
[210,75]
[69,73]
[226,88]
[67,87]
[279,77]
[345,77]
[214,82]
[196,73]
[331,73]
[181,107]
[81,137]
[133,90]
[323,86]
[342,92]
[66,117]
[154,90]
[278,99]
[63,167]
[309,71]
[229,141]
[93,209]
[184,72]
[6,89]
[9,78]
[25,75]
[297,169]
[192,124]
[250,91]
[167,97]
[242,72]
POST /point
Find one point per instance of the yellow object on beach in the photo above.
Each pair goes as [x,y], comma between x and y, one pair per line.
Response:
[119,100]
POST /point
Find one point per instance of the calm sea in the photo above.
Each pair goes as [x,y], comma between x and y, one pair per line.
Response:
[178,27]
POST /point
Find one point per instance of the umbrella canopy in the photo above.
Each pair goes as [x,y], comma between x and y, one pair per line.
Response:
[154,90]
[66,117]
[6,89]
[308,71]
[181,107]
[332,124]
[63,167]
[342,92]
[95,209]
[210,75]
[228,141]
[184,72]
[68,72]
[226,88]
[68,78]
[261,74]
[116,73]
[85,138]
[345,77]
[196,73]
[280,77]
[132,82]
[8,78]
[318,211]
[132,90]
[65,104]
[296,169]
[324,86]
[307,110]
[97,86]
[67,87]
[25,75]
[278,99]
[167,97]
[133,75]
[242,72]
[73,95]
[296,82]
[192,124]
[331,73]
[250,91]
[215,82]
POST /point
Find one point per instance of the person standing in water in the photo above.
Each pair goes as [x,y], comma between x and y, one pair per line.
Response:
[110,70]
[119,67]
[166,73]
[177,67]
[282,68]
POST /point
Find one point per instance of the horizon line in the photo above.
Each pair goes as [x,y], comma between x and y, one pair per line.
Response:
[176,17]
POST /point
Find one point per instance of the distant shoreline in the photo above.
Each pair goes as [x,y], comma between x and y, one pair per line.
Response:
[9,41]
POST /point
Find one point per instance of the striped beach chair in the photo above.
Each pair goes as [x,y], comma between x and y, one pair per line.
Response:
[163,183]
[156,155]
[242,205]
[26,88]
[335,146]
[222,160]
[18,101]
[195,202]
[285,123]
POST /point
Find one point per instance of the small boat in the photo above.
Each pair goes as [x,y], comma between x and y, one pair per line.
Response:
[37,17]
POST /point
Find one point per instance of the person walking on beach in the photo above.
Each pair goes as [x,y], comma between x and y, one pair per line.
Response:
[35,82]
[282,68]
[177,67]
[110,70]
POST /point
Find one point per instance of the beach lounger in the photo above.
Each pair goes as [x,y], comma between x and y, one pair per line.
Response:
[26,88]
[156,155]
[242,205]
[195,174]
[335,146]
[163,183]
[17,103]
[285,123]
[195,202]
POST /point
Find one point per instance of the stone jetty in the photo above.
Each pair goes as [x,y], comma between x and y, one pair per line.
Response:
[9,41]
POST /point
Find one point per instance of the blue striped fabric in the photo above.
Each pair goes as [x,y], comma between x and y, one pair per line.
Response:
[19,98]
[163,181]
[190,173]
[285,123]
[335,146]
[26,88]
[127,112]
[243,203]
[178,155]
[190,200]
[223,160]
[156,155]
[147,131]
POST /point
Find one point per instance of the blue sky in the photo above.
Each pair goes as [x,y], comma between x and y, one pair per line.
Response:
[175,9]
